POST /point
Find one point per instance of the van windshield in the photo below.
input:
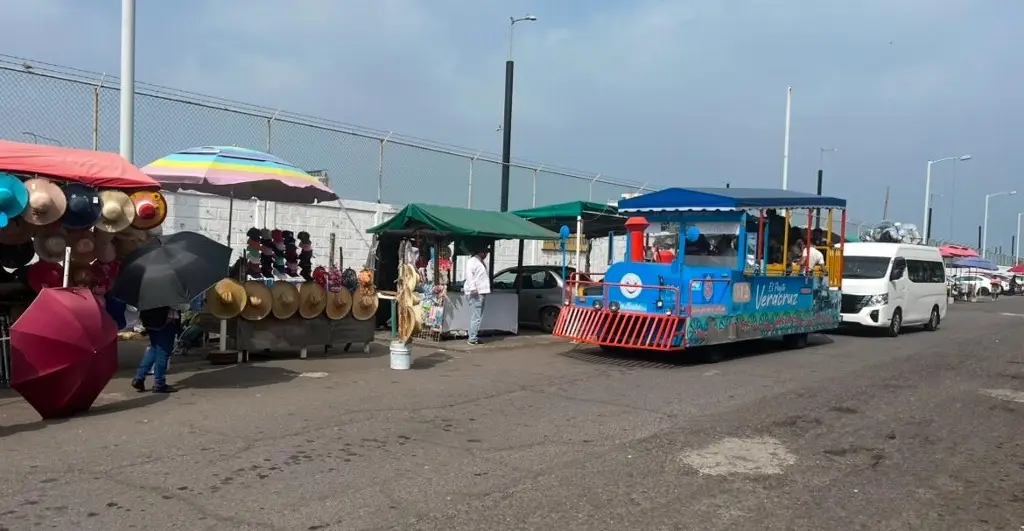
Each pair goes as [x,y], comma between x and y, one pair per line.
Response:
[865,267]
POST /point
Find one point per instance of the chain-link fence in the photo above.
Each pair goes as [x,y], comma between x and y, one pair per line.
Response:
[47,103]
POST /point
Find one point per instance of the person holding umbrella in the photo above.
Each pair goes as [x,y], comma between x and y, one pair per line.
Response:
[163,325]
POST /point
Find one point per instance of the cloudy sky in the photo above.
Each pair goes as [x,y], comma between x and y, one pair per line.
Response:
[685,92]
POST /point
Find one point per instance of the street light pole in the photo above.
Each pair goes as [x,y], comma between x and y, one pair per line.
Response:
[1016,250]
[506,129]
[128,79]
[928,191]
[785,141]
[984,224]
[821,178]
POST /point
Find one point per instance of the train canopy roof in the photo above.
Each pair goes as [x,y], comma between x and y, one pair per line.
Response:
[690,199]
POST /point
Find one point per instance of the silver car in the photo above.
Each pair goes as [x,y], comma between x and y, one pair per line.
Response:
[541,297]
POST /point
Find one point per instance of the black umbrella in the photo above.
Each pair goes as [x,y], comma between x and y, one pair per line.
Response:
[170,270]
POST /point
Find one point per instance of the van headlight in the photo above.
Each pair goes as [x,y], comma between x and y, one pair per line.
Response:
[879,300]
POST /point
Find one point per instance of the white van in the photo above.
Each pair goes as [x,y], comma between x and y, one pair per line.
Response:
[892,285]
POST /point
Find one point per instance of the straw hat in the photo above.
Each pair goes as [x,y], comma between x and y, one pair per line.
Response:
[83,246]
[259,303]
[286,299]
[13,198]
[83,206]
[46,202]
[226,299]
[150,209]
[50,246]
[339,303]
[312,300]
[15,256]
[81,275]
[365,304]
[16,231]
[117,211]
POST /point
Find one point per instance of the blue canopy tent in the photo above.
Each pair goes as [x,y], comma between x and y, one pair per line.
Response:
[683,199]
[975,262]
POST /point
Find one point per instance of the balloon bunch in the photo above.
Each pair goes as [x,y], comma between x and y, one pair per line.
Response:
[891,232]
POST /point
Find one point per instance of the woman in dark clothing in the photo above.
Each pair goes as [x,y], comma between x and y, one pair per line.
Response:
[163,326]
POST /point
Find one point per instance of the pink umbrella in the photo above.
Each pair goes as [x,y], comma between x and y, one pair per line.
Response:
[957,251]
[1018,269]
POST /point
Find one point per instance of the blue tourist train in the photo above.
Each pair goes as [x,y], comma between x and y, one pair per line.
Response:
[710,266]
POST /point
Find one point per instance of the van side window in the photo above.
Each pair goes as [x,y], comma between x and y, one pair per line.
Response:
[899,267]
[938,272]
[922,272]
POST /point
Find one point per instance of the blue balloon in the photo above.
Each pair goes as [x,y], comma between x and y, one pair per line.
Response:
[564,232]
[692,233]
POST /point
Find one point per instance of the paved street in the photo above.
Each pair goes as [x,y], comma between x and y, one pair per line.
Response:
[921,432]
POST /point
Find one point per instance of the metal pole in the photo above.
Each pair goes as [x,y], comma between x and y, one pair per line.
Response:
[591,195]
[128,79]
[380,168]
[535,245]
[1016,250]
[952,199]
[785,147]
[927,199]
[472,162]
[96,114]
[817,212]
[506,130]
[984,228]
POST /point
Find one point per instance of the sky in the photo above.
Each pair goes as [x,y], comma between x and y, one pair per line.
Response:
[671,93]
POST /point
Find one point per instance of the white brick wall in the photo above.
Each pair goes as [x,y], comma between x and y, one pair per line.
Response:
[348,221]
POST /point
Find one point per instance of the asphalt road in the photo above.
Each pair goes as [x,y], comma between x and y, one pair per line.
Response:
[921,432]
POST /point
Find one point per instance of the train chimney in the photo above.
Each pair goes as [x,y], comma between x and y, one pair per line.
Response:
[635,228]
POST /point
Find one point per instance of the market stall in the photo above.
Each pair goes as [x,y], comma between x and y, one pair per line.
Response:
[276,299]
[428,237]
[591,220]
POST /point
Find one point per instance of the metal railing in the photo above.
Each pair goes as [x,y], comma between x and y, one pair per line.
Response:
[47,103]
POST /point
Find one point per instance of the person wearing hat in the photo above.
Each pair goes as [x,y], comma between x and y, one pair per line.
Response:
[83,206]
[13,198]
[476,288]
[162,326]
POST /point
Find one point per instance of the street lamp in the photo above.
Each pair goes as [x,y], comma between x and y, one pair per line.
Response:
[1016,250]
[928,191]
[984,224]
[928,229]
[506,129]
[821,177]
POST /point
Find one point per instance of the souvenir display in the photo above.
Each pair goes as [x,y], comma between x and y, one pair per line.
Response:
[291,254]
[252,252]
[44,275]
[46,202]
[305,256]
[286,299]
[150,209]
[83,246]
[226,299]
[259,301]
[277,238]
[312,300]
[266,254]
[117,211]
[13,198]
[81,275]
[365,301]
[50,247]
[82,206]
[339,304]
[349,279]
[16,231]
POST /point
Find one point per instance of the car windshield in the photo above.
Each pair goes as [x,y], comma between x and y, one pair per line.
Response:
[866,267]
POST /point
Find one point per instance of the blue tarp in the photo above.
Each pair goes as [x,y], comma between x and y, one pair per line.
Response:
[975,263]
[679,199]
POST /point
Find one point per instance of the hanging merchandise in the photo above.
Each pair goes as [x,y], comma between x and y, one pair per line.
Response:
[105,251]
[150,209]
[277,236]
[18,255]
[286,299]
[226,299]
[349,279]
[266,254]
[410,311]
[252,252]
[16,232]
[83,246]
[291,254]
[305,256]
[13,198]
[365,301]
[81,275]
[44,275]
[104,273]
[83,207]
[334,280]
[312,300]
[260,301]
[50,246]
[46,202]
[117,211]
[320,276]
[339,304]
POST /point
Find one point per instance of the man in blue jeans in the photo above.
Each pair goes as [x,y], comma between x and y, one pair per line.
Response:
[162,325]
[475,289]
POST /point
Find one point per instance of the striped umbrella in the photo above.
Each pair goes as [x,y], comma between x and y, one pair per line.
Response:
[238,173]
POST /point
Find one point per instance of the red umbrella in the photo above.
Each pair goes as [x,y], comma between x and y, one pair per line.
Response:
[1019,268]
[94,168]
[63,351]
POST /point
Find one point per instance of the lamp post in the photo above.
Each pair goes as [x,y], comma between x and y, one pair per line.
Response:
[821,177]
[928,228]
[506,129]
[1016,244]
[928,191]
[128,79]
[984,224]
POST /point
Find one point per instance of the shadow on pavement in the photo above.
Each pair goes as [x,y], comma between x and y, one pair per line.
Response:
[141,400]
[430,361]
[649,359]
[237,377]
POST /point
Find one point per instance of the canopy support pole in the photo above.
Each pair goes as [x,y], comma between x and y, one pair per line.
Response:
[579,242]
[519,266]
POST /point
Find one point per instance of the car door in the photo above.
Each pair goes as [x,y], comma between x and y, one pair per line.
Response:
[898,282]
[536,284]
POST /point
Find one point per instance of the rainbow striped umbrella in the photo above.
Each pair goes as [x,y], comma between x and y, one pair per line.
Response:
[238,173]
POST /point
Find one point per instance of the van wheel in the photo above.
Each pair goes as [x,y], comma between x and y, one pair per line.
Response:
[795,341]
[895,324]
[933,321]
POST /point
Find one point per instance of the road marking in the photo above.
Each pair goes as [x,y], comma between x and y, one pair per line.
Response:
[1008,314]
[757,455]
[1005,394]
[313,374]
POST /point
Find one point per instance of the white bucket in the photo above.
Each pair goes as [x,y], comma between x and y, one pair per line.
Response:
[400,358]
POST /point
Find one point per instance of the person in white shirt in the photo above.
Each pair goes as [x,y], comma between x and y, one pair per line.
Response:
[476,288]
[812,255]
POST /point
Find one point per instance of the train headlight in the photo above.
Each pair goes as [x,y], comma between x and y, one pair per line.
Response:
[598,305]
[613,306]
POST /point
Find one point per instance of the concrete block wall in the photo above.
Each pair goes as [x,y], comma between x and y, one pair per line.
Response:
[348,220]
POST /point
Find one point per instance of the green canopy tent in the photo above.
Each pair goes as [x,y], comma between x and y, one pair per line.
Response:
[592,220]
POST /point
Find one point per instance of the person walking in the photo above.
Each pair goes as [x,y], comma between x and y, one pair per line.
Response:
[162,325]
[476,288]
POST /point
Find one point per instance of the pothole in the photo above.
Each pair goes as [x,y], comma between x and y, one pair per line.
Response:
[751,456]
[1005,394]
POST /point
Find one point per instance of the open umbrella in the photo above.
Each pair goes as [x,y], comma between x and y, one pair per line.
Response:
[63,351]
[1017,269]
[975,263]
[957,251]
[170,270]
[94,168]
